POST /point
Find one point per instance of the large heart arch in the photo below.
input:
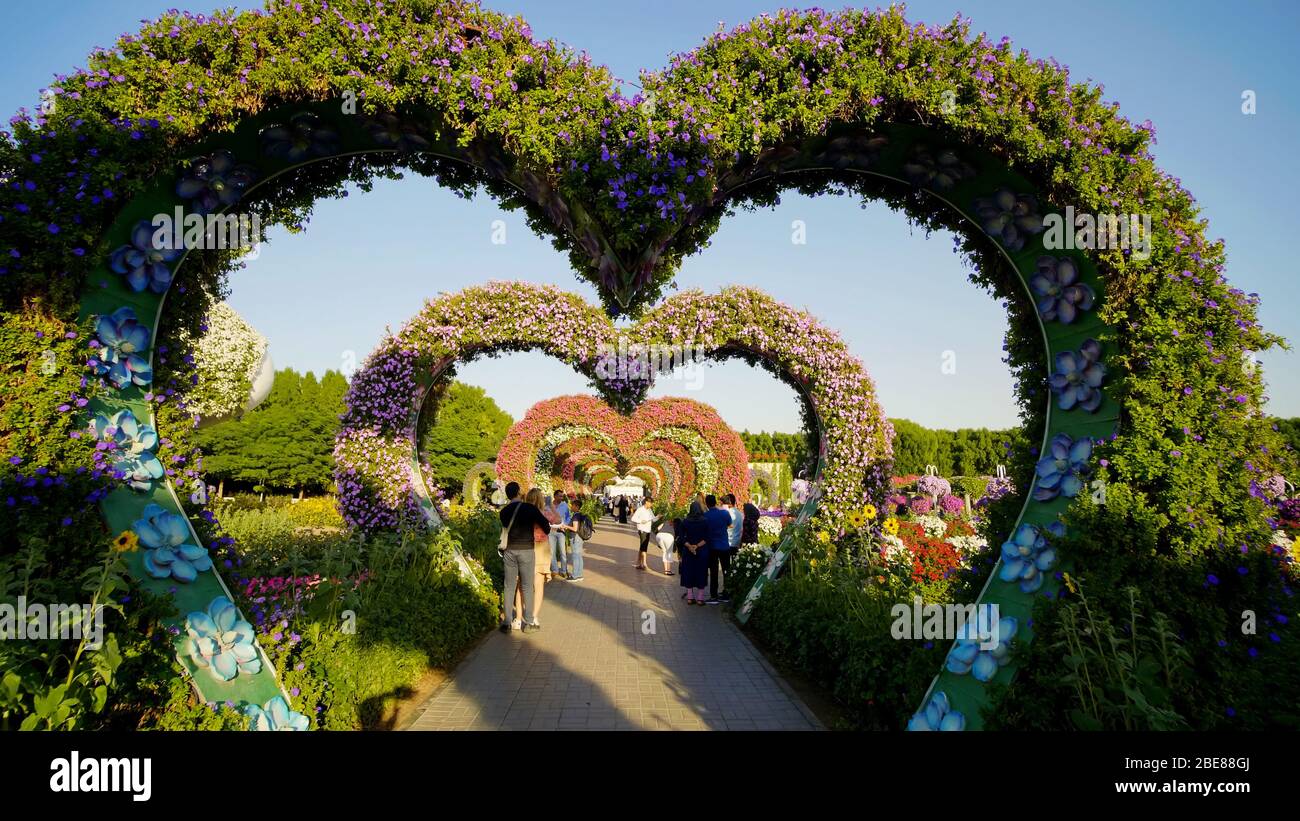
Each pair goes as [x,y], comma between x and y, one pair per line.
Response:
[378,475]
[718,456]
[959,132]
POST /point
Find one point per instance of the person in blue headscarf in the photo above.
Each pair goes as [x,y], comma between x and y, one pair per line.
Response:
[692,541]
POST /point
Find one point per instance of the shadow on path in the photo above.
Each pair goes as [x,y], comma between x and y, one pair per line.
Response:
[620,650]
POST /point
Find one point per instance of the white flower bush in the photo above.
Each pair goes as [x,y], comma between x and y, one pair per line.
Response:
[750,559]
[895,550]
[227,358]
[934,526]
[967,546]
[769,526]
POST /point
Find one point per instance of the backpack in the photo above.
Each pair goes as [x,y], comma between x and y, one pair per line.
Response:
[585,530]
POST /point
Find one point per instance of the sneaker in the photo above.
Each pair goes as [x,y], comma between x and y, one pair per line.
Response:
[532,628]
[724,597]
[577,578]
[713,601]
[517,624]
[504,627]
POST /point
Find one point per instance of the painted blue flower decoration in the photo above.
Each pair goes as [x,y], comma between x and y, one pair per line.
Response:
[1027,556]
[940,170]
[937,715]
[390,131]
[969,656]
[859,151]
[1065,469]
[214,182]
[133,444]
[275,715]
[168,551]
[221,641]
[304,137]
[1078,377]
[1060,295]
[145,266]
[1009,218]
[122,343]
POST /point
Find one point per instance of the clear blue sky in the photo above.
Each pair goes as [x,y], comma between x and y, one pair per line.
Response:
[900,298]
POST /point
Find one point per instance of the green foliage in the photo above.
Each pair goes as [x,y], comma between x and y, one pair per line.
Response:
[1193,662]
[467,428]
[836,630]
[962,452]
[287,442]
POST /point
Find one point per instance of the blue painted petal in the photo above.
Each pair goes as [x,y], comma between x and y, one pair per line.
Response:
[279,711]
[1091,350]
[1046,559]
[175,529]
[298,722]
[1094,375]
[1066,363]
[953,723]
[153,569]
[940,700]
[142,235]
[1032,585]
[244,652]
[984,668]
[252,666]
[202,563]
[1007,627]
[258,719]
[1065,311]
[932,715]
[1068,398]
[1081,451]
[137,278]
[225,666]
[1071,485]
[183,571]
[917,724]
[1011,569]
[965,651]
[1066,271]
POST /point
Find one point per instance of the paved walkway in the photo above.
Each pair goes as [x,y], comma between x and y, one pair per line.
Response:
[593,667]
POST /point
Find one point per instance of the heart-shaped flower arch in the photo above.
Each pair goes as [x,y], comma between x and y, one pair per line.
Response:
[926,118]
[377,474]
[720,461]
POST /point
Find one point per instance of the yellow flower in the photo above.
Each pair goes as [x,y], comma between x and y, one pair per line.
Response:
[823,537]
[856,519]
[126,541]
[869,512]
[812,563]
[890,526]
[1069,583]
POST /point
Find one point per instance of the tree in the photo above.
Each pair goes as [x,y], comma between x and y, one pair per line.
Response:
[467,428]
[287,442]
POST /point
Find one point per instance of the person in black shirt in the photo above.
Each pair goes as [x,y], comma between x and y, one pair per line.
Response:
[520,561]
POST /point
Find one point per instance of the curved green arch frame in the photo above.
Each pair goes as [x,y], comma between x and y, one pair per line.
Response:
[106,293]
[472,477]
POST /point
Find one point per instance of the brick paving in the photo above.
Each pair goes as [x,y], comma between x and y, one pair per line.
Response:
[591,666]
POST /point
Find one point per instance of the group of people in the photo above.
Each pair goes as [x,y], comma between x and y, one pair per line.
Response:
[704,541]
[543,540]
[543,536]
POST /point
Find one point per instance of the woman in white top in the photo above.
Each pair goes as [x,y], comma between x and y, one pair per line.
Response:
[664,538]
[643,518]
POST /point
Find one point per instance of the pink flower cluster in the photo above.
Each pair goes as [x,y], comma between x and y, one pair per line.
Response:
[633,435]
